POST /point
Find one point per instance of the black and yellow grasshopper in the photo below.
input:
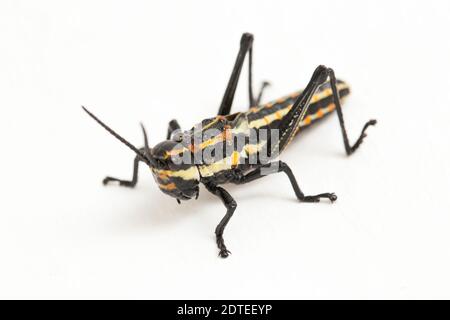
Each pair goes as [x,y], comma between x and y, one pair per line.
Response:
[241,147]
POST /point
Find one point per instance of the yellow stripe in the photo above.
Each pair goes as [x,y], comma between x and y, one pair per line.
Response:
[235,158]
[170,186]
[269,118]
[281,113]
[306,121]
[188,174]
[232,161]
[278,115]
[319,114]
[213,122]
[211,169]
[315,98]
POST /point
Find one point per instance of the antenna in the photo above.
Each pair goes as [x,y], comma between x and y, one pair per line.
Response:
[144,156]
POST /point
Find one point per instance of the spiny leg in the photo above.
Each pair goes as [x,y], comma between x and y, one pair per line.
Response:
[127,183]
[283,167]
[228,97]
[348,148]
[291,123]
[173,126]
[231,205]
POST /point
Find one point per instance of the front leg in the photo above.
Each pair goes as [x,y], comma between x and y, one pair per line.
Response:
[231,205]
[127,183]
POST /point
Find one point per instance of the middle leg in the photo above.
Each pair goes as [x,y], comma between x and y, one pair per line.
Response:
[283,167]
[173,126]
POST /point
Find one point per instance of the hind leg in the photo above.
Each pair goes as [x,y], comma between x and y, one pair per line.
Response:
[290,124]
[349,149]
[246,46]
[264,85]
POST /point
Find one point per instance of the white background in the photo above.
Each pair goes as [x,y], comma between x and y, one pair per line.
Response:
[64,235]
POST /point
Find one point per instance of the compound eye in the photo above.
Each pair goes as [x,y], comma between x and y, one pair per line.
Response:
[177,136]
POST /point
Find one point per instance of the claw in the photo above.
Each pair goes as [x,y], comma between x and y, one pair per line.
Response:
[264,85]
[332,197]
[224,253]
[124,183]
[371,122]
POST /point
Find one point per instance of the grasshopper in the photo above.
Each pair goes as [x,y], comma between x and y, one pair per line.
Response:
[241,147]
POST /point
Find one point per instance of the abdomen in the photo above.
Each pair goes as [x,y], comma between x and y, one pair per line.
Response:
[270,114]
